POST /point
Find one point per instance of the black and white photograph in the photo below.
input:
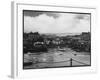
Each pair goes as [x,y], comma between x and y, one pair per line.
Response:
[56,39]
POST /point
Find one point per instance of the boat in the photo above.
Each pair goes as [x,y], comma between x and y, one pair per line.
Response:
[27,63]
[61,49]
[38,48]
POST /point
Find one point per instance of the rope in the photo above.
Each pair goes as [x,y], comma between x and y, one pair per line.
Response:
[48,62]
[55,62]
[80,62]
[60,61]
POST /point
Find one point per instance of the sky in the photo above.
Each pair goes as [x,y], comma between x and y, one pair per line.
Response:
[56,22]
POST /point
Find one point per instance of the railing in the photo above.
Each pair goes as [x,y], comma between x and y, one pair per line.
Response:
[70,62]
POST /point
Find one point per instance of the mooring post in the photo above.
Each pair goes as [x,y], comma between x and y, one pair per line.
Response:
[71,62]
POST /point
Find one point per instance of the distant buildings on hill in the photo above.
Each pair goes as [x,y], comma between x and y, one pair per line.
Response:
[80,42]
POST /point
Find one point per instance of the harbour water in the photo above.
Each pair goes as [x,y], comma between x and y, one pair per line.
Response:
[57,58]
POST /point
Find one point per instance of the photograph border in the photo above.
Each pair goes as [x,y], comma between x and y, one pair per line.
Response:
[58,12]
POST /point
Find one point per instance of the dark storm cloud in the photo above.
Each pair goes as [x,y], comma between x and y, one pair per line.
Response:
[37,13]
[83,17]
[52,14]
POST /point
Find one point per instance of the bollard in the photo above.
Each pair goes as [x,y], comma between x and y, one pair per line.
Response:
[71,62]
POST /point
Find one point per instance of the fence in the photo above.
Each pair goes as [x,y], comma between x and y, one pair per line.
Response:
[70,62]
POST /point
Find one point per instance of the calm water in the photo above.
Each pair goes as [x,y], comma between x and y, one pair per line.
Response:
[57,58]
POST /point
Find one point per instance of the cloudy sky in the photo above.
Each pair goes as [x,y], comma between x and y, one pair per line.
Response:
[55,22]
